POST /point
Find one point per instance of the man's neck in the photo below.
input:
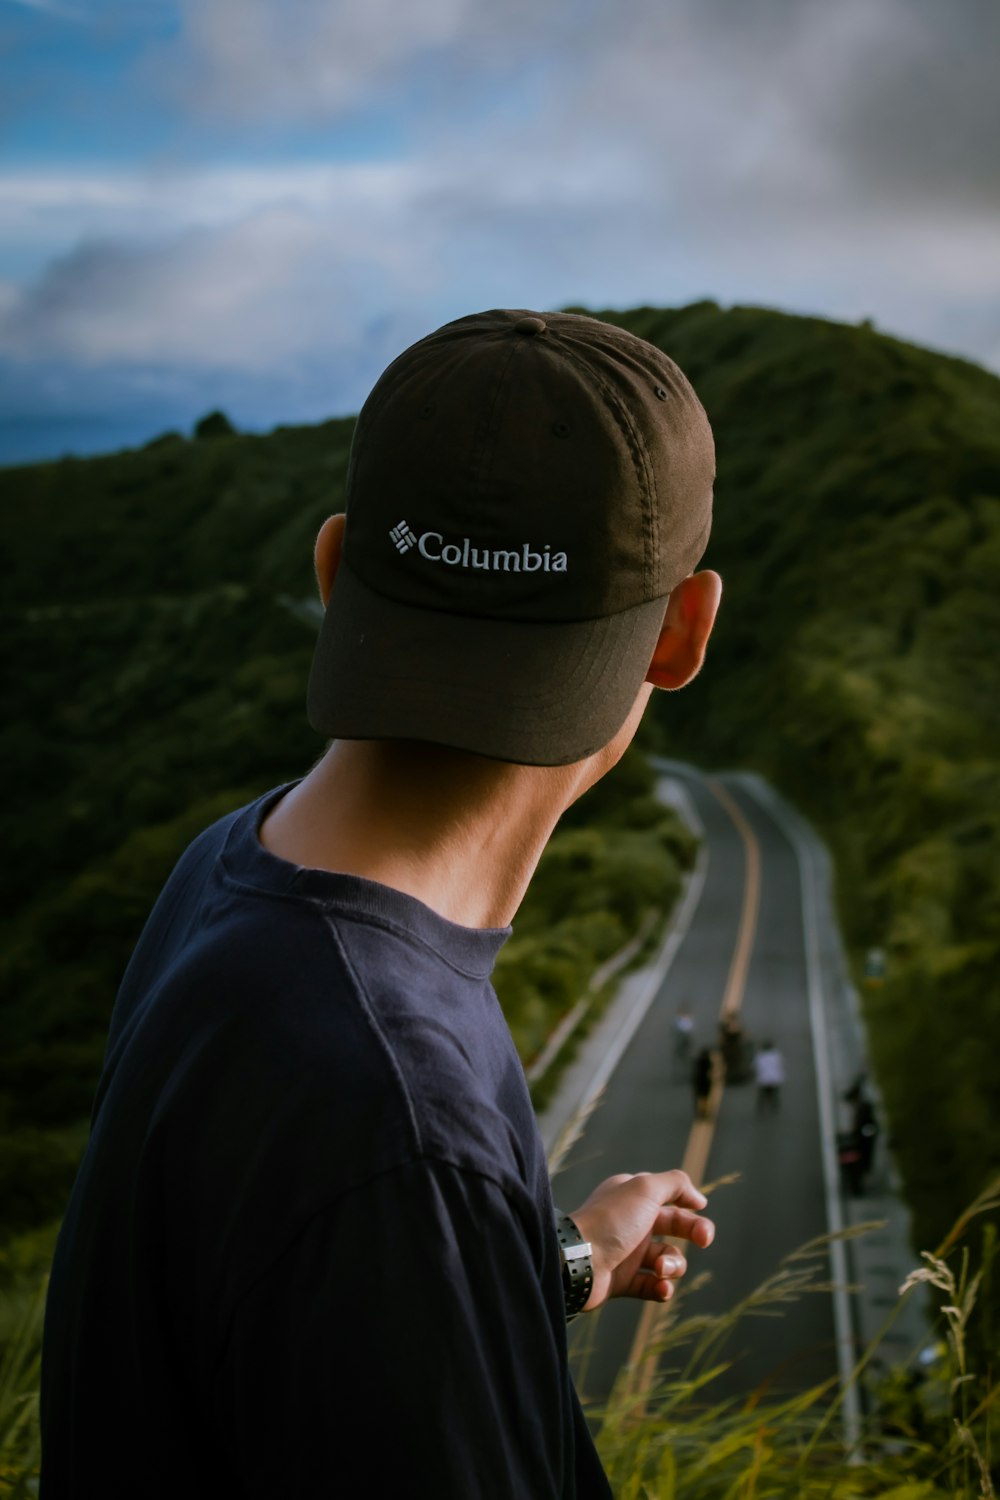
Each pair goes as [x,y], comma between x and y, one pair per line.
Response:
[460,833]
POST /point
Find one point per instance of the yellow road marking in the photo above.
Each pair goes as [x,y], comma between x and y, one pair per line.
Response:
[637,1375]
[736,983]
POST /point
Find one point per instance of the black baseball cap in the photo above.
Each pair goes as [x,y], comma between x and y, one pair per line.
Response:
[523,493]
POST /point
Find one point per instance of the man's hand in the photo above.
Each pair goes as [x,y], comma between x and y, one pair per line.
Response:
[622,1219]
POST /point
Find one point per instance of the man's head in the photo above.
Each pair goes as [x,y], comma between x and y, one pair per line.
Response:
[527,497]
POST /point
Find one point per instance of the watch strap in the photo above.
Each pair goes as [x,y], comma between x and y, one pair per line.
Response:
[577,1265]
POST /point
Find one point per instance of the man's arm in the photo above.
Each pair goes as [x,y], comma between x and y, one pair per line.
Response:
[402,1343]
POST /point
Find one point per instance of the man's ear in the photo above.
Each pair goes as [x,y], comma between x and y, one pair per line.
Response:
[326,555]
[687,626]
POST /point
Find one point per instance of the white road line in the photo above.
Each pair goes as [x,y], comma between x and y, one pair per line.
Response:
[652,978]
[843,1326]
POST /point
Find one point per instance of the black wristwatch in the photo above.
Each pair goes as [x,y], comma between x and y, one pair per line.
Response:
[577,1265]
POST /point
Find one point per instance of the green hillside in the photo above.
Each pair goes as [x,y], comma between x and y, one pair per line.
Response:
[158,619]
[856,663]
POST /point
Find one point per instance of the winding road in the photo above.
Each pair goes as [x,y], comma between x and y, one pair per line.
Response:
[749,941]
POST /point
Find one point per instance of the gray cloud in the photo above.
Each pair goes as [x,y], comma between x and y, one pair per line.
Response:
[892,99]
[920,111]
[829,157]
[263,293]
[308,60]
[798,104]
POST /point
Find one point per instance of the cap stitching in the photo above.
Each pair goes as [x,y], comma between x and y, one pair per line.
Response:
[640,458]
[377,397]
[484,462]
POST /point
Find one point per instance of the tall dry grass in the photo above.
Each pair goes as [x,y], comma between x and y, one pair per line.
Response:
[927,1432]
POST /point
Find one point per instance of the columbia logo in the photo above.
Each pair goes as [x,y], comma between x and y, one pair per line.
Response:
[521,559]
[403,537]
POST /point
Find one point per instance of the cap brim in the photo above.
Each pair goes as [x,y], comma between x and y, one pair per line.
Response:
[543,694]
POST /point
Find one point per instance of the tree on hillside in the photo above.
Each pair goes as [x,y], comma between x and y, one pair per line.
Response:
[215,424]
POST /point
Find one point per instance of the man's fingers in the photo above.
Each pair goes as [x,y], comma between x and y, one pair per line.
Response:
[665,1261]
[682,1224]
[673,1187]
[651,1288]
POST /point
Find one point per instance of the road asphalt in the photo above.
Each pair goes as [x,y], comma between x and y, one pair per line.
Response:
[756,929]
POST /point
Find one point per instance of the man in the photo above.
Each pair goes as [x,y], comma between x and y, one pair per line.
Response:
[683,1033]
[769,1069]
[312,1250]
[864,1131]
[703,1082]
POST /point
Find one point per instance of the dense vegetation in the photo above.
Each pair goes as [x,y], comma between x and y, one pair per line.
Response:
[158,625]
[617,855]
[858,533]
[155,670]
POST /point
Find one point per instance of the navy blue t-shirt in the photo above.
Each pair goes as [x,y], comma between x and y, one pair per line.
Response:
[310,1249]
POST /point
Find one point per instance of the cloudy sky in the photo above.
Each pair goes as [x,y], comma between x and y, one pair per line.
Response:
[257,203]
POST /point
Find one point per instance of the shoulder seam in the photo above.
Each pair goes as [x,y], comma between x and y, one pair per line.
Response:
[326,909]
[376,1029]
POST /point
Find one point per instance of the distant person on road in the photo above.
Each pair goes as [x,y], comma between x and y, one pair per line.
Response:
[733,1048]
[312,1246]
[702,1080]
[683,1033]
[769,1070]
[849,1156]
[864,1128]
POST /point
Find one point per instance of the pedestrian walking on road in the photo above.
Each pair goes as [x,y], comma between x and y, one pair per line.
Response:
[769,1070]
[864,1127]
[313,1237]
[733,1048]
[702,1079]
[683,1033]
[849,1156]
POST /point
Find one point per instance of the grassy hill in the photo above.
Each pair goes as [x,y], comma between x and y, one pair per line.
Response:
[856,663]
[158,616]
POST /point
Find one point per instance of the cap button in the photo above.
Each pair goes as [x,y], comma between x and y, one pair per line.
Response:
[529,325]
